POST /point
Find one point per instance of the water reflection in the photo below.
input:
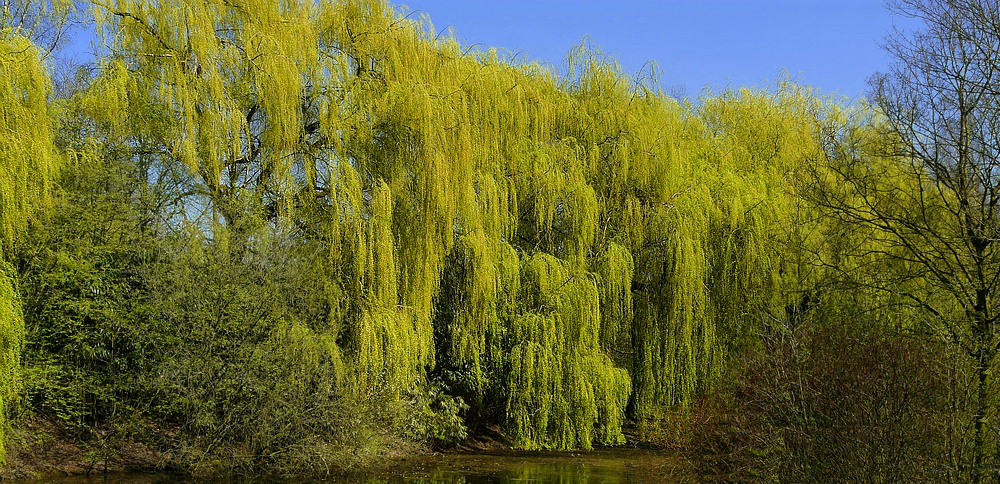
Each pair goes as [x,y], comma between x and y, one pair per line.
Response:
[600,467]
[569,473]
[606,467]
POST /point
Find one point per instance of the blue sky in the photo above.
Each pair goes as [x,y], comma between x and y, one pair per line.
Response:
[830,44]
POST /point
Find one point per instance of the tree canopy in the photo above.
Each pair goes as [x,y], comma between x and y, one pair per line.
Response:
[272,213]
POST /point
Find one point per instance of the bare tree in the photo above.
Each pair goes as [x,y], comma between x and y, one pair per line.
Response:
[48,23]
[928,188]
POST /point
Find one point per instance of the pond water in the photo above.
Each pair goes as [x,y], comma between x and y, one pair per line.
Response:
[597,467]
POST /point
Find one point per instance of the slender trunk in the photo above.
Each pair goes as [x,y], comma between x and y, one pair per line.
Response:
[978,443]
[994,465]
[952,445]
[983,334]
[983,356]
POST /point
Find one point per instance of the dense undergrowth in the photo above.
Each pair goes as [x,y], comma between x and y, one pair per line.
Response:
[287,237]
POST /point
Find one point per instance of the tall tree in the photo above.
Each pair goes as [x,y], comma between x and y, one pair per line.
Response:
[48,23]
[563,244]
[27,165]
[928,187]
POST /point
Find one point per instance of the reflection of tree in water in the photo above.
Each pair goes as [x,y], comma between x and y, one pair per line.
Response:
[572,472]
[569,473]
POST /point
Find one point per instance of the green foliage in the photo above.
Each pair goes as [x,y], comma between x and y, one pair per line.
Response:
[26,155]
[11,341]
[435,415]
[552,246]
[240,362]
[83,333]
[83,286]
[280,217]
[27,162]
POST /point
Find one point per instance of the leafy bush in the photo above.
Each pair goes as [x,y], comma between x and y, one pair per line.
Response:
[435,415]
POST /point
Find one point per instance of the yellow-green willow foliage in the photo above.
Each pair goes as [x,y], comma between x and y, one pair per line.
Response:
[11,341]
[700,196]
[563,389]
[561,243]
[27,157]
[762,143]
[27,164]
[217,86]
[479,295]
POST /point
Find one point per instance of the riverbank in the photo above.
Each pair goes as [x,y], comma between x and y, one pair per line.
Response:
[502,467]
[42,450]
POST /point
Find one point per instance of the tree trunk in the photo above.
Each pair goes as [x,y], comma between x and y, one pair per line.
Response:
[978,444]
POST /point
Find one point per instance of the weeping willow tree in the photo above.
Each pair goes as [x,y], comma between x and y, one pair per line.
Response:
[561,384]
[27,164]
[556,245]
[220,89]
[700,197]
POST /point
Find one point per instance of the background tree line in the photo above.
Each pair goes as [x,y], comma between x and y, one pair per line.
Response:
[270,236]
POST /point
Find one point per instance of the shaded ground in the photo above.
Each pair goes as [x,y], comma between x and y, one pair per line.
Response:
[44,450]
